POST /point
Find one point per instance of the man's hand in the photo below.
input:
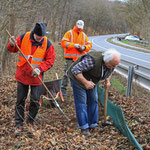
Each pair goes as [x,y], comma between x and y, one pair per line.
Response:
[82,47]
[89,85]
[106,84]
[36,72]
[77,46]
[84,81]
[12,41]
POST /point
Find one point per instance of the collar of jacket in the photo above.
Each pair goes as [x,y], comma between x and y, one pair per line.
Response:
[76,30]
[34,42]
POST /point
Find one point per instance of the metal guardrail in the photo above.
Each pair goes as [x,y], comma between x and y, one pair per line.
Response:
[141,73]
[130,79]
[143,43]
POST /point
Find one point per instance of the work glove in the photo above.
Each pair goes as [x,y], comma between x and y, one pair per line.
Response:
[12,41]
[77,46]
[36,72]
[82,47]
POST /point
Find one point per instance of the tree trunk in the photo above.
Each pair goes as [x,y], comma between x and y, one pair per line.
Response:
[6,55]
[55,21]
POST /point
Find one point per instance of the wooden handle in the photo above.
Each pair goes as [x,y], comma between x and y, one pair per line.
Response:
[56,75]
[105,102]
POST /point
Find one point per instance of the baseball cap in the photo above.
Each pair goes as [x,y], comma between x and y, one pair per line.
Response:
[80,24]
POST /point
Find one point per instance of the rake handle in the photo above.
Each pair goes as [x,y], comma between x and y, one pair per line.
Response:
[105,102]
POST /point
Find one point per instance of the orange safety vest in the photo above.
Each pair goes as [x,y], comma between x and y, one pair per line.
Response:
[37,57]
[70,39]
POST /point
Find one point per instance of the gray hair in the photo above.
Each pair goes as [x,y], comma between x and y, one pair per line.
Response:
[109,55]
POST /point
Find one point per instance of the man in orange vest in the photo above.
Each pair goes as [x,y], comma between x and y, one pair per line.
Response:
[41,54]
[75,43]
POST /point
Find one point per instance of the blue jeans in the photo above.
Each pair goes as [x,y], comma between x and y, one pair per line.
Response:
[86,105]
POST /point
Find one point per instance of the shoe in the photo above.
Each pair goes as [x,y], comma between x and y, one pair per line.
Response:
[18,131]
[97,128]
[85,132]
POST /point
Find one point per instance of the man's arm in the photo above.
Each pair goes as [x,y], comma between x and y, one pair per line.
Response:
[88,44]
[66,41]
[85,48]
[106,83]
[14,49]
[86,83]
[85,65]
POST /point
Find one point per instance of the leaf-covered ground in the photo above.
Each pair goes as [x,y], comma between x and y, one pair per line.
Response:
[55,132]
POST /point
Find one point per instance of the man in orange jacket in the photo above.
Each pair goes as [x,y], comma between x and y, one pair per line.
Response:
[41,54]
[75,43]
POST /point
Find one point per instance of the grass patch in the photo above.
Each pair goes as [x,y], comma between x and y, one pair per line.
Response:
[117,85]
[137,44]
[128,42]
[133,44]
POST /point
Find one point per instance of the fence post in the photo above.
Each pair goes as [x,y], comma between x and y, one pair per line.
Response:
[129,82]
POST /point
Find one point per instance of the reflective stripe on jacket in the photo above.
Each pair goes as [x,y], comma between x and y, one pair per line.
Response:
[70,39]
[37,57]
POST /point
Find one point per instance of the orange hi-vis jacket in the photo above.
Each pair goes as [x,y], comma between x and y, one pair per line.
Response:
[71,38]
[37,57]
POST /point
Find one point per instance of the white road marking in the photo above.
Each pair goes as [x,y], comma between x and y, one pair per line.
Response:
[121,54]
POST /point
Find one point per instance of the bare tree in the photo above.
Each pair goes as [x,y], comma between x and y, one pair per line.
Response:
[19,16]
[5,54]
[137,17]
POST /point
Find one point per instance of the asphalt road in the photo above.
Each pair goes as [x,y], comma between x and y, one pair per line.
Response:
[133,56]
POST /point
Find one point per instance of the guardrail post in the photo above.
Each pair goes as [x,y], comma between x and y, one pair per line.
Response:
[130,78]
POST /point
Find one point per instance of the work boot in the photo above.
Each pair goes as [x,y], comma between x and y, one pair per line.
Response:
[18,131]
[85,132]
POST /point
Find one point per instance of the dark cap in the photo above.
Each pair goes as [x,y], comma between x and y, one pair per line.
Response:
[40,29]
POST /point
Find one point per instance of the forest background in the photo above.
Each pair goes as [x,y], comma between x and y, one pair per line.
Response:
[100,17]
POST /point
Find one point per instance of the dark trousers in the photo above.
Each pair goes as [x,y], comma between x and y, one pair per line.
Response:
[65,80]
[22,92]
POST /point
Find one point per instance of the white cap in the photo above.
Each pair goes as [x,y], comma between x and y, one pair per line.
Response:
[80,24]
